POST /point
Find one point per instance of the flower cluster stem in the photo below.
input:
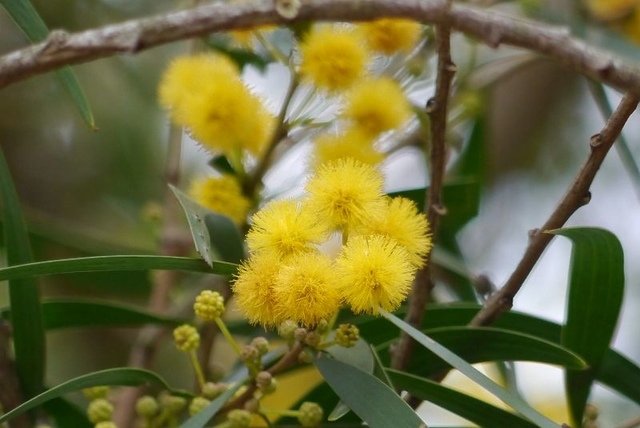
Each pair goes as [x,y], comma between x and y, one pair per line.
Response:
[227,335]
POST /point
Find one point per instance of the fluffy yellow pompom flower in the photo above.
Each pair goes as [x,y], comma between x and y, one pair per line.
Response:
[332,58]
[351,144]
[285,228]
[306,289]
[205,94]
[608,10]
[374,272]
[401,221]
[389,36]
[344,192]
[377,105]
[254,289]
[222,195]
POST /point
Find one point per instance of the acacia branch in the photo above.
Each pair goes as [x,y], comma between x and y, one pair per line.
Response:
[437,107]
[62,48]
[577,196]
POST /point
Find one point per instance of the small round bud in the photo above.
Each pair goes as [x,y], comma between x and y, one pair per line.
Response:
[239,418]
[263,379]
[105,424]
[197,405]
[347,335]
[313,339]
[172,403]
[100,410]
[310,414]
[288,9]
[305,357]
[96,392]
[211,390]
[249,354]
[286,329]
[186,338]
[300,333]
[261,344]
[322,327]
[591,412]
[209,305]
[252,405]
[147,406]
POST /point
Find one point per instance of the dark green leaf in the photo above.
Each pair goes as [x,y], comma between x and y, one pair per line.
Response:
[24,295]
[123,376]
[469,371]
[67,414]
[221,164]
[470,408]
[596,287]
[373,401]
[89,313]
[482,344]
[27,18]
[379,369]
[242,57]
[210,230]
[112,264]
[200,419]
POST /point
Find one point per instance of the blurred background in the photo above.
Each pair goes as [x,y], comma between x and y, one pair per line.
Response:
[89,192]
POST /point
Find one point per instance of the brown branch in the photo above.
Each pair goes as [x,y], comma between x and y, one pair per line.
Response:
[62,48]
[437,107]
[577,196]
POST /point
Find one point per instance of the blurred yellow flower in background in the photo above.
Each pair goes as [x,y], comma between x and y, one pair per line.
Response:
[350,144]
[389,36]
[221,195]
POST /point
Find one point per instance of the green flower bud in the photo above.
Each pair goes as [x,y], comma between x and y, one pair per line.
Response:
[105,424]
[313,339]
[287,329]
[172,403]
[261,344]
[305,357]
[322,327]
[239,418]
[347,335]
[147,406]
[186,338]
[197,405]
[96,392]
[211,390]
[100,410]
[310,414]
[250,354]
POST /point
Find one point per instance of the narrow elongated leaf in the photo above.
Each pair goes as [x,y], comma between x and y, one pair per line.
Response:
[123,376]
[469,371]
[211,231]
[113,264]
[596,287]
[88,313]
[373,401]
[27,18]
[472,409]
[66,414]
[201,418]
[24,295]
[616,371]
[483,344]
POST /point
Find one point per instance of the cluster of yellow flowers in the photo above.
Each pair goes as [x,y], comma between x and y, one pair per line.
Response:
[288,277]
[624,15]
[222,195]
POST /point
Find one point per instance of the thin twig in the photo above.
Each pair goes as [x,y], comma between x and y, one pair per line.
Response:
[577,196]
[437,107]
[494,29]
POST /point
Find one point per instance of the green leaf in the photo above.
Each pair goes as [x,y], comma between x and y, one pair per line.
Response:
[27,18]
[221,164]
[470,408]
[67,414]
[200,419]
[211,230]
[469,371]
[596,287]
[242,57]
[481,344]
[123,376]
[89,313]
[24,294]
[373,401]
[379,369]
[360,356]
[113,264]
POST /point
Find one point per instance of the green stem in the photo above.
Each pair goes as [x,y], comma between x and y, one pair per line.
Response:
[227,335]
[273,50]
[197,368]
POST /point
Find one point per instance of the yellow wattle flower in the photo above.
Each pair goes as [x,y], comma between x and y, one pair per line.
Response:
[306,289]
[401,221]
[390,35]
[376,105]
[344,192]
[206,94]
[254,289]
[222,195]
[285,228]
[332,58]
[608,10]
[373,272]
[351,144]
